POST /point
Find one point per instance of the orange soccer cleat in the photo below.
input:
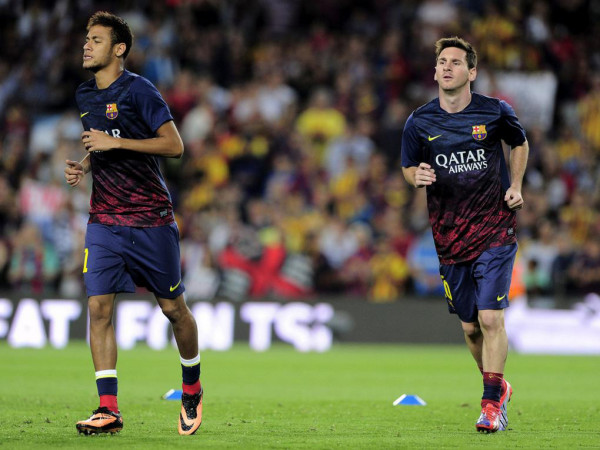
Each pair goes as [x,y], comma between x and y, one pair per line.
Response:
[190,417]
[103,420]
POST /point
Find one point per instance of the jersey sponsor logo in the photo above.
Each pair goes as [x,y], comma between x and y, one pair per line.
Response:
[429,138]
[479,132]
[462,161]
[115,132]
[111,111]
[172,288]
[500,298]
[83,114]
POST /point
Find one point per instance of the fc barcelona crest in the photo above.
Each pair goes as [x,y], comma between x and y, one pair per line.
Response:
[112,112]
[479,132]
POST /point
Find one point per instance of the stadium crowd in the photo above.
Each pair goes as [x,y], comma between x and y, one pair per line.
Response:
[292,114]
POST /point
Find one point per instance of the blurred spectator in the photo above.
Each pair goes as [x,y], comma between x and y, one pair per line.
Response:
[585,268]
[356,271]
[197,123]
[4,265]
[560,279]
[537,282]
[538,254]
[589,111]
[353,144]
[578,217]
[34,265]
[276,100]
[424,266]
[337,242]
[199,276]
[9,215]
[390,272]
[320,122]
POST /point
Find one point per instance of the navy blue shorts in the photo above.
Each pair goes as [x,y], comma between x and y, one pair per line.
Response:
[118,258]
[479,284]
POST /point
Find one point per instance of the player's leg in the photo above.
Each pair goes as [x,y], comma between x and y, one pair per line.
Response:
[104,273]
[103,343]
[474,340]
[107,418]
[461,290]
[186,336]
[496,391]
[492,272]
[183,323]
[156,257]
[495,341]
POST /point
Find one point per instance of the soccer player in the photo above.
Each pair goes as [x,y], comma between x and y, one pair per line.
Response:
[452,146]
[132,238]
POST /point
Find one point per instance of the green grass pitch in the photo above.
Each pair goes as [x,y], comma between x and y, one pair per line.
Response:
[285,399]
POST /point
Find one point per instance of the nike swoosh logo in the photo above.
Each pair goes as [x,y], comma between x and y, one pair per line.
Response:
[172,288]
[500,298]
[83,114]
[433,138]
[185,426]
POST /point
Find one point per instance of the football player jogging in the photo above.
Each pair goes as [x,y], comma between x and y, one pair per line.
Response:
[132,238]
[452,146]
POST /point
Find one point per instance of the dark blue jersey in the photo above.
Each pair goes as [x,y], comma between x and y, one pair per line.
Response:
[128,187]
[466,204]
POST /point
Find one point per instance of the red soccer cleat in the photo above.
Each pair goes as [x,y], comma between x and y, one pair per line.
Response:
[489,420]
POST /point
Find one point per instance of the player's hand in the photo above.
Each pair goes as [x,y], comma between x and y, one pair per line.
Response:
[98,141]
[73,173]
[513,199]
[424,175]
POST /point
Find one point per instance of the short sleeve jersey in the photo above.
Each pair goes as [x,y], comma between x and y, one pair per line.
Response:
[467,211]
[128,187]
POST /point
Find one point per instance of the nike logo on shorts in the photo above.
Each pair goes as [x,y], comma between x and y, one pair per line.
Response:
[172,288]
[500,298]
[433,138]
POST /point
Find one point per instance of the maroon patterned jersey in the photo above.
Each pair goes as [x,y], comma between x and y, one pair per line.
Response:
[466,204]
[128,187]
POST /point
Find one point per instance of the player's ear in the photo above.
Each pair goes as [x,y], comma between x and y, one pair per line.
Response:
[120,49]
[434,74]
[472,74]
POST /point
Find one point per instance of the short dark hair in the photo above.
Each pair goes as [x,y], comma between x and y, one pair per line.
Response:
[457,42]
[119,30]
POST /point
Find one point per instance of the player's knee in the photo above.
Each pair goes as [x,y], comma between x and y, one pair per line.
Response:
[174,311]
[491,320]
[471,330]
[100,311]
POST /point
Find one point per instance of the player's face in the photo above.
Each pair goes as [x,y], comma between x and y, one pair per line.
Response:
[98,52]
[451,70]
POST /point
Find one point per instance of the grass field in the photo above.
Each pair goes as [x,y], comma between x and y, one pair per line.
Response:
[284,399]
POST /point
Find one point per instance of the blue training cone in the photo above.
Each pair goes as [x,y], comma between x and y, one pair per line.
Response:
[412,400]
[172,394]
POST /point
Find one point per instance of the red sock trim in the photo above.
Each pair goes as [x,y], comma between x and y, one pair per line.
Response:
[485,401]
[493,378]
[191,389]
[110,402]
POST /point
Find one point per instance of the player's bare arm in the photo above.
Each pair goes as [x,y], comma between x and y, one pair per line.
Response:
[167,142]
[419,176]
[74,171]
[518,163]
